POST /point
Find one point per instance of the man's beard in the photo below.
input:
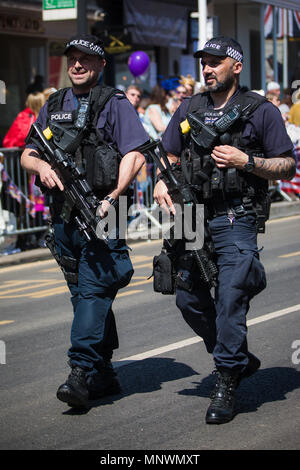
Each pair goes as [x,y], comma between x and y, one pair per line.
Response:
[221,86]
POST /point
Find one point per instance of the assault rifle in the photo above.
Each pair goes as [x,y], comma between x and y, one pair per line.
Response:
[183,193]
[77,191]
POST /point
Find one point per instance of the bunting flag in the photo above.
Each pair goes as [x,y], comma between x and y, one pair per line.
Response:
[293,22]
[293,186]
[15,192]
[268,21]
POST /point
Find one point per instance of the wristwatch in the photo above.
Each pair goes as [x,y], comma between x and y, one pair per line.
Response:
[111,200]
[249,167]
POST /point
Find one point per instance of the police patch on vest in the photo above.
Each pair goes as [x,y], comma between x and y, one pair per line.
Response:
[211,116]
[61,116]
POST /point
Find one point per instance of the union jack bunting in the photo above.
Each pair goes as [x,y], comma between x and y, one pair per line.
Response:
[293,186]
[293,22]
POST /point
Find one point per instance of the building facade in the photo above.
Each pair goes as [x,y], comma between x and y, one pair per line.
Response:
[167,30]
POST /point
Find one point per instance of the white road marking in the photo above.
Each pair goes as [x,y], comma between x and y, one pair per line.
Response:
[290,255]
[197,339]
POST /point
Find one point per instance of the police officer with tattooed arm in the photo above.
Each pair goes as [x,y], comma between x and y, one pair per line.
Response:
[236,139]
[107,135]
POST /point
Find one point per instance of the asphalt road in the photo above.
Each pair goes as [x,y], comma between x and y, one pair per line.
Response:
[164,369]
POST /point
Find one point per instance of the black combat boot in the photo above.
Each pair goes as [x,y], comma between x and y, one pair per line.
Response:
[221,409]
[104,383]
[74,391]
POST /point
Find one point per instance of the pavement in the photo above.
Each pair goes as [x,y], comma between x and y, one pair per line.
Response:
[278,210]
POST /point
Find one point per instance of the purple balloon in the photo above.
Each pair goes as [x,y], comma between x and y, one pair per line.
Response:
[138,63]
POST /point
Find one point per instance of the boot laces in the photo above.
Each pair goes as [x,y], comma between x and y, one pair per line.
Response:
[77,375]
[224,389]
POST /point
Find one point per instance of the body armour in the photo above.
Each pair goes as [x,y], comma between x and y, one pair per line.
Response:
[207,128]
[75,132]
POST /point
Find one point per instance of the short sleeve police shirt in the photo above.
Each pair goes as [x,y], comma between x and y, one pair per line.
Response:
[118,120]
[265,126]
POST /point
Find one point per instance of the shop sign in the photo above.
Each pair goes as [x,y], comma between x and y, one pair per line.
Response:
[59,10]
[20,24]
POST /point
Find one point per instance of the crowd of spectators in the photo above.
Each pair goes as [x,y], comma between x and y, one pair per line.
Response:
[155,109]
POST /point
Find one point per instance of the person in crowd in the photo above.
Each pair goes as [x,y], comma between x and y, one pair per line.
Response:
[292,187]
[144,103]
[180,94]
[134,94]
[285,112]
[94,270]
[36,85]
[157,115]
[273,87]
[15,137]
[295,111]
[270,69]
[19,129]
[273,98]
[48,91]
[234,195]
[287,97]
[189,83]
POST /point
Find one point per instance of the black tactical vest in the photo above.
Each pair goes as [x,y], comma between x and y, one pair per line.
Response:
[223,184]
[76,133]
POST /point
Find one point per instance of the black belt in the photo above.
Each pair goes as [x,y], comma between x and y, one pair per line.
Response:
[235,207]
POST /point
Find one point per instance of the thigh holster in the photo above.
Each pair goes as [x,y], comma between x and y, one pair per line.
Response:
[69,267]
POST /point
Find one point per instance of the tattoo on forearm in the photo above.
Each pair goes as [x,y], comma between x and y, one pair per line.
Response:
[275,168]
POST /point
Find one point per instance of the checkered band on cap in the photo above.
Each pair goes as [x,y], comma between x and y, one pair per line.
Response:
[234,54]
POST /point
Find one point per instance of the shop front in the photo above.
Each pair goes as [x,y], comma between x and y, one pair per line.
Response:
[23,59]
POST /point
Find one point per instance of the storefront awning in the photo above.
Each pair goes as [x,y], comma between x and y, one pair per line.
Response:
[289,4]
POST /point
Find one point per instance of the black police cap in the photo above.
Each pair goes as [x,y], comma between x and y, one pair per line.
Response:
[86,43]
[222,46]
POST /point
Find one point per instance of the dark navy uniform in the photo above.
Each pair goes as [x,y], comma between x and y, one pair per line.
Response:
[221,321]
[102,270]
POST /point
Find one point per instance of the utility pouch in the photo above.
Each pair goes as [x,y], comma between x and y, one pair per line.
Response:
[196,171]
[69,267]
[102,168]
[262,210]
[200,174]
[163,273]
[217,182]
[232,181]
